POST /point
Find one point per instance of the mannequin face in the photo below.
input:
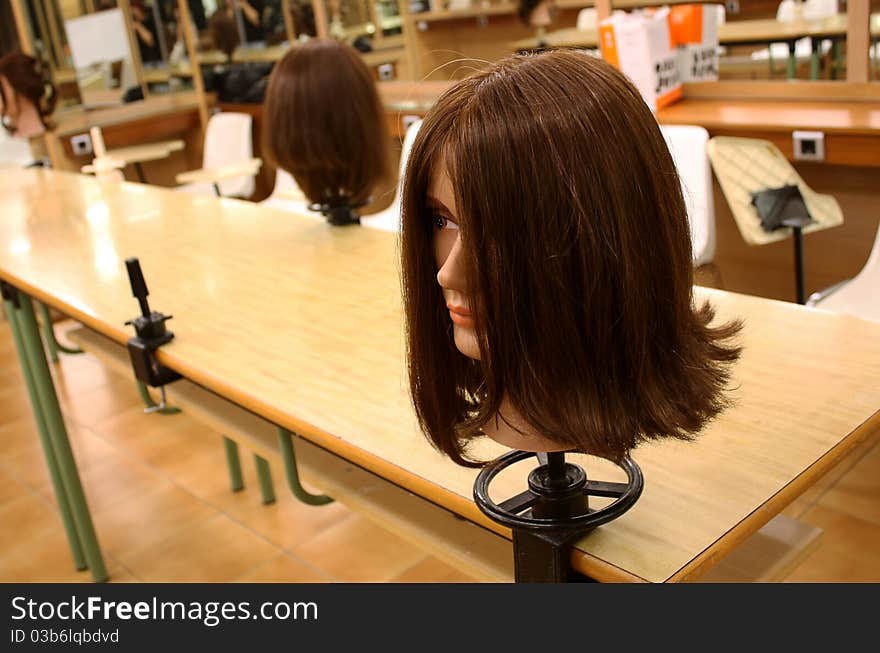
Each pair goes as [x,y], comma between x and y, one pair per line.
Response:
[450,262]
[9,109]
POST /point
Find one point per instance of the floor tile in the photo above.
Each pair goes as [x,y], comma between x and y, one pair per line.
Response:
[357,551]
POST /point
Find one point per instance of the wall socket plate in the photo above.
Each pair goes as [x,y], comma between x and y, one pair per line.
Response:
[732,6]
[808,145]
[386,71]
[81,144]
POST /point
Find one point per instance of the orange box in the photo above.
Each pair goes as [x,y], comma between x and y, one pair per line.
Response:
[694,32]
[639,44]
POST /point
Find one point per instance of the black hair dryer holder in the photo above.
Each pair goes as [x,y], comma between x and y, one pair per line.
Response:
[339,211]
[151,334]
[548,517]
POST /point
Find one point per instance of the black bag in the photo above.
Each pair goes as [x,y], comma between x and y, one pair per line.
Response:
[781,207]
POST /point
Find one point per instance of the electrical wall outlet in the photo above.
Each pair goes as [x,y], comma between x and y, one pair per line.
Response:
[808,146]
[732,6]
[81,144]
[386,71]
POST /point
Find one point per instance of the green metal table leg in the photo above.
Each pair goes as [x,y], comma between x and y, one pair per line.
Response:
[150,404]
[814,59]
[285,439]
[836,58]
[49,334]
[264,473]
[58,435]
[233,462]
[60,496]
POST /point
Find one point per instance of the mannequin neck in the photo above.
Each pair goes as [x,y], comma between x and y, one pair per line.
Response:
[510,429]
[28,124]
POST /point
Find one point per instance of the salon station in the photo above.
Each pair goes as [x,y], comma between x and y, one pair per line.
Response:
[440,291]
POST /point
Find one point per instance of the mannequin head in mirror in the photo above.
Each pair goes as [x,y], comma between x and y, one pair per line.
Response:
[547,268]
[325,123]
[224,30]
[27,96]
[537,13]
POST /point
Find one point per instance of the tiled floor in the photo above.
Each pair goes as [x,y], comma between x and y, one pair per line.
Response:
[160,498]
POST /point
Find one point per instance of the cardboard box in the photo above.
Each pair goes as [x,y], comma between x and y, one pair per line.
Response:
[694,30]
[640,46]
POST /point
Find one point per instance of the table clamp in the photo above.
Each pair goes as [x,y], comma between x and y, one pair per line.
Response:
[151,334]
[548,517]
[339,211]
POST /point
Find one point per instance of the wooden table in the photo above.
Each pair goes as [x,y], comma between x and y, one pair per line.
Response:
[317,348]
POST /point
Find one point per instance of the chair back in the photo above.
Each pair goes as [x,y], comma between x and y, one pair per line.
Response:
[861,295]
[14,151]
[389,218]
[287,195]
[228,141]
[818,9]
[687,144]
[787,11]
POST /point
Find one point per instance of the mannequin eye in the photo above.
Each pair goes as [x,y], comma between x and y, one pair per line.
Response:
[441,222]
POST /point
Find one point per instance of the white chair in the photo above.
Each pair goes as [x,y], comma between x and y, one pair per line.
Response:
[858,296]
[819,9]
[227,146]
[389,218]
[687,144]
[14,151]
[788,11]
[587,19]
[287,195]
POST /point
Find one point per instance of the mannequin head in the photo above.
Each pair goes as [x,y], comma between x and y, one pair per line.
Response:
[559,305]
[27,96]
[537,13]
[224,31]
[325,123]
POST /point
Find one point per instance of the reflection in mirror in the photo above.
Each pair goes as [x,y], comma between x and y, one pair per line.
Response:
[303,19]
[9,41]
[102,58]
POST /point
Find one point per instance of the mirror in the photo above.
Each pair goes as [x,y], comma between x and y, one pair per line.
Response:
[101,54]
[9,41]
[104,52]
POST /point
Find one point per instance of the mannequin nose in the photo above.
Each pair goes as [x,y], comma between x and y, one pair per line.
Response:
[451,274]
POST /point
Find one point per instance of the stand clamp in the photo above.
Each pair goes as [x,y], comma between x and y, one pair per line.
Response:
[151,334]
[548,517]
[339,211]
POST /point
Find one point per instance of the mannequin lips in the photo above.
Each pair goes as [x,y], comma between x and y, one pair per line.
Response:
[460,315]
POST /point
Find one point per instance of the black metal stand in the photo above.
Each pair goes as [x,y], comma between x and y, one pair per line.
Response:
[553,512]
[339,211]
[797,225]
[140,172]
[151,334]
[799,265]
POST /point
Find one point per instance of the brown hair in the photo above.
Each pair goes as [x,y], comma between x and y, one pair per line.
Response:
[224,32]
[577,253]
[325,124]
[30,79]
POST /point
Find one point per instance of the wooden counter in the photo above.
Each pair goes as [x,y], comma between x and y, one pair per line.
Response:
[158,118]
[317,348]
